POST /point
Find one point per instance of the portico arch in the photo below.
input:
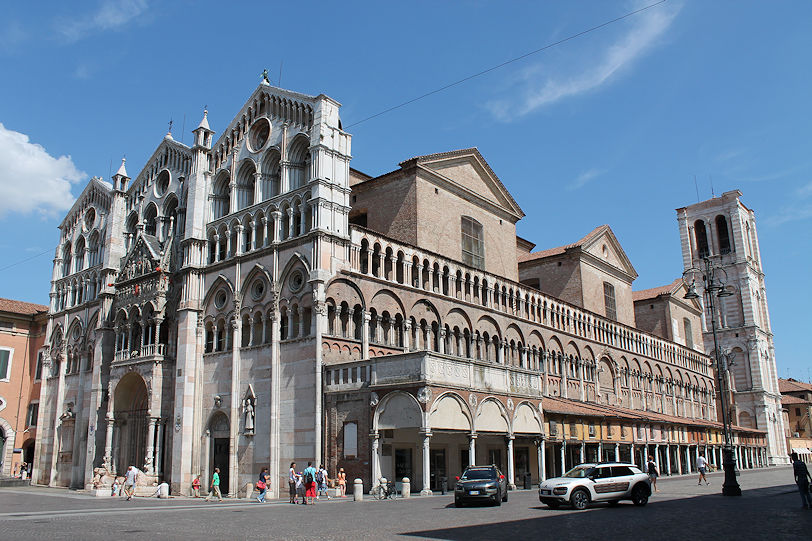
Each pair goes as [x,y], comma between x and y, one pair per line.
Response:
[131,410]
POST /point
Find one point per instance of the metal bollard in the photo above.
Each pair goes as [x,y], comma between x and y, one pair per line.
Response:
[406,491]
[528,483]
[358,490]
[444,484]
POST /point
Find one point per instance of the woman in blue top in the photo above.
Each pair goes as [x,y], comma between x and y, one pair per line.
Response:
[262,485]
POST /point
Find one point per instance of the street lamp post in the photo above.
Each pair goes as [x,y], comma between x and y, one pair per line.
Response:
[715,279]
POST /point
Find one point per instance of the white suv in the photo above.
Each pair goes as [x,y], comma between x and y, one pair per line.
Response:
[603,482]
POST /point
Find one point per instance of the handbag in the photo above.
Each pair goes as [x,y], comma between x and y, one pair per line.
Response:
[261,485]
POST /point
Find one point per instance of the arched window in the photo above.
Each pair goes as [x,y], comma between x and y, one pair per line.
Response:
[150,219]
[67,256]
[701,236]
[689,335]
[245,185]
[473,244]
[723,234]
[220,197]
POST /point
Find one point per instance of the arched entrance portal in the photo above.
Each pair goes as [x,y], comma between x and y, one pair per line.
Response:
[130,412]
[218,448]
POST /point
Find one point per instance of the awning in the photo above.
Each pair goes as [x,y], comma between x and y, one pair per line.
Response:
[801,451]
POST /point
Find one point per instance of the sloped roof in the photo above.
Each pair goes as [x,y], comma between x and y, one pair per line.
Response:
[654,292]
[789,399]
[21,307]
[792,385]
[567,406]
[561,249]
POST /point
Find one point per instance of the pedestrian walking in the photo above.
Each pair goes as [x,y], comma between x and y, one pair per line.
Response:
[214,490]
[802,479]
[701,467]
[309,480]
[321,482]
[130,481]
[292,478]
[300,489]
[114,489]
[653,474]
[196,487]
[342,482]
[262,485]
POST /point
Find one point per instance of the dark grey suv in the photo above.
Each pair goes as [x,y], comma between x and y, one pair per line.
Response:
[481,484]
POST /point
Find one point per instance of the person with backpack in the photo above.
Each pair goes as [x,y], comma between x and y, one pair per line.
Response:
[653,474]
[309,480]
[214,489]
[321,482]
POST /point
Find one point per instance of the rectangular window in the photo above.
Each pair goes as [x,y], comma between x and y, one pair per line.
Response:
[33,411]
[473,245]
[689,335]
[609,301]
[6,325]
[5,363]
[350,440]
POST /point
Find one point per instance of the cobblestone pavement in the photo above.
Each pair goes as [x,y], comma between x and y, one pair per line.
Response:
[769,509]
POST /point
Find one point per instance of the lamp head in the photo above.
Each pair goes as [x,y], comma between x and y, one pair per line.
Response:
[691,293]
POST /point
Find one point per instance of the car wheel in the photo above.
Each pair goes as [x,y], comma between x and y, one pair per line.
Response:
[639,496]
[498,499]
[613,503]
[579,499]
[505,497]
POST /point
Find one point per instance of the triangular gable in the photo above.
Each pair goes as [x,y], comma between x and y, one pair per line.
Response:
[144,257]
[467,170]
[96,191]
[603,245]
[151,167]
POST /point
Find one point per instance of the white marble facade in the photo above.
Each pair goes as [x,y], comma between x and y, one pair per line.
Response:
[186,303]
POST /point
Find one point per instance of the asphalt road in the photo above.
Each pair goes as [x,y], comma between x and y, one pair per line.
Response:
[768,509]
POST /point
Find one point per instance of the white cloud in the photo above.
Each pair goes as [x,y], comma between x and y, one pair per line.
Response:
[584,177]
[111,14]
[806,190]
[541,88]
[31,179]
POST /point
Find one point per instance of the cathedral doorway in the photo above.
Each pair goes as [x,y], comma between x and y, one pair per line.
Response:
[130,412]
[219,451]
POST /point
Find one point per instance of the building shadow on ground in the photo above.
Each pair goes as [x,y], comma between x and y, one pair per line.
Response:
[772,514]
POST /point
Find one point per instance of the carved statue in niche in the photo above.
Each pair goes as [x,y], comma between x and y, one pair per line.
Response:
[248,408]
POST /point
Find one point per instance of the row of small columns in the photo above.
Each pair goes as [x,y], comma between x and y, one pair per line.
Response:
[68,296]
[599,331]
[295,321]
[150,331]
[272,234]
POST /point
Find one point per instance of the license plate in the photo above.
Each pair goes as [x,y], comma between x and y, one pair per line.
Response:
[545,491]
[474,492]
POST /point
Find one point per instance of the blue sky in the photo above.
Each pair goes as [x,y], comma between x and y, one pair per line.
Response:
[610,127]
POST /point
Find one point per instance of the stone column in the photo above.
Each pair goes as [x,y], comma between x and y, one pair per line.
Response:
[276,215]
[159,445]
[407,334]
[148,460]
[108,440]
[365,319]
[668,459]
[376,457]
[511,469]
[542,460]
[583,452]
[679,461]
[426,465]
[472,449]
[617,452]
[441,337]
[563,457]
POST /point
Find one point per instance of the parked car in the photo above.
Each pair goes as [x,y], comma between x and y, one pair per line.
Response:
[481,484]
[603,482]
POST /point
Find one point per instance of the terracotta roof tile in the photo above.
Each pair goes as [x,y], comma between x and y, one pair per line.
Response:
[561,249]
[21,307]
[791,385]
[789,399]
[654,292]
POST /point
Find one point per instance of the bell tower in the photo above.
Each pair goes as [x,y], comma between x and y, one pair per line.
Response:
[723,230]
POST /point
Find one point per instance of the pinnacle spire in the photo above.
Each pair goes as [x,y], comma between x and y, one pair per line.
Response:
[122,170]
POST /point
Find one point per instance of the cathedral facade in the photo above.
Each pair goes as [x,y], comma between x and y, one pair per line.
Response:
[252,301]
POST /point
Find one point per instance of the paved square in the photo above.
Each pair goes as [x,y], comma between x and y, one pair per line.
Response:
[768,509]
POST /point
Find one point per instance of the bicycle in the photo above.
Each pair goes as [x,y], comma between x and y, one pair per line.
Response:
[384,490]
